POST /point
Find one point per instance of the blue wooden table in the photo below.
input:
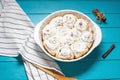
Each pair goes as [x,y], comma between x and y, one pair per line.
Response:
[93,67]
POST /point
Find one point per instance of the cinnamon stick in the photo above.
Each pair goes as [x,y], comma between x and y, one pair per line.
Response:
[108,51]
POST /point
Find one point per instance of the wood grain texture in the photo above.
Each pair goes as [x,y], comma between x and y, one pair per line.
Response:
[92,67]
[48,6]
[93,70]
[12,70]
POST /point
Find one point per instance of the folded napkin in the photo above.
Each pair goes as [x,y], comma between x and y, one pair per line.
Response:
[16,37]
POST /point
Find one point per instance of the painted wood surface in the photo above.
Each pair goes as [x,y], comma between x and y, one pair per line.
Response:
[93,67]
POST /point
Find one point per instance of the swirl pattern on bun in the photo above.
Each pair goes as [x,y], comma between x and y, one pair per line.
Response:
[68,36]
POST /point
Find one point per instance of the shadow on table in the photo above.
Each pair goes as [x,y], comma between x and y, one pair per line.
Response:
[19,59]
[82,66]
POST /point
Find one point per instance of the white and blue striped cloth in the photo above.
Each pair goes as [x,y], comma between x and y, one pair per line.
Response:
[16,37]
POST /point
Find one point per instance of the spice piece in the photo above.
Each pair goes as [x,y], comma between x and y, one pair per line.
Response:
[108,51]
[99,15]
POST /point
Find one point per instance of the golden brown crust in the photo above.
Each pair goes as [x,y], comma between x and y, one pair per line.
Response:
[47,49]
[90,44]
[70,58]
[77,55]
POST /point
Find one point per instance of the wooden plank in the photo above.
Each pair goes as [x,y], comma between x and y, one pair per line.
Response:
[110,35]
[81,70]
[6,58]
[112,19]
[95,55]
[41,6]
[12,71]
[93,70]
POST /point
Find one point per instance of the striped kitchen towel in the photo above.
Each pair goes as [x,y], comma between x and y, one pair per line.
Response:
[16,37]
